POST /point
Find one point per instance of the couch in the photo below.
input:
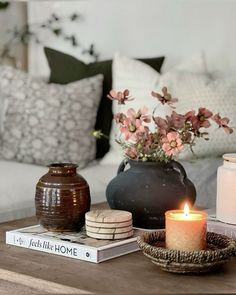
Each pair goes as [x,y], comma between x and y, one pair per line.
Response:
[18,177]
[18,182]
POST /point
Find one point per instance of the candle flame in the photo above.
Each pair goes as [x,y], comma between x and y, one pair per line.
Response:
[186,209]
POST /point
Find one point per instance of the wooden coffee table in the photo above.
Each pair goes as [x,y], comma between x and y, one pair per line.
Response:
[32,272]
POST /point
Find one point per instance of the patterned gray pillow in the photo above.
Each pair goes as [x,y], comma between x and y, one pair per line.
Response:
[47,123]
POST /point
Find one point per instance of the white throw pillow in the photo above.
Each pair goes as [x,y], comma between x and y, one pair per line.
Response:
[141,79]
[198,90]
[47,123]
[194,64]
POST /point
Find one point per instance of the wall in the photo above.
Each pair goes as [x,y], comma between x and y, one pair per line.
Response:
[175,28]
[14,15]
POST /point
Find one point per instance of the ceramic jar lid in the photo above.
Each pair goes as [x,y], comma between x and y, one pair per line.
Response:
[230,157]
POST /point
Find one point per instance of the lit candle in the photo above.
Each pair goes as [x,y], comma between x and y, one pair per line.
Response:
[185,229]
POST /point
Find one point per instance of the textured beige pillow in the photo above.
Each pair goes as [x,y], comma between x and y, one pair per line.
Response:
[198,90]
[47,123]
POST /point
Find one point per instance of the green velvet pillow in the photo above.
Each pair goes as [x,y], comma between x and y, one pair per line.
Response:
[66,68]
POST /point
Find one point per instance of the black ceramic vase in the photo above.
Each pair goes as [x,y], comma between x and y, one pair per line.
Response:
[148,190]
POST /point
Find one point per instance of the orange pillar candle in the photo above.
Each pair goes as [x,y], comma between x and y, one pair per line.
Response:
[185,229]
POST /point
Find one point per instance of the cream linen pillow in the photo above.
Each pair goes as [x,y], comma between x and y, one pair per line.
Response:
[198,90]
[140,79]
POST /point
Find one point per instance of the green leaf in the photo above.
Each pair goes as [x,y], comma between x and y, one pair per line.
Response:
[57,31]
[4,4]
[74,17]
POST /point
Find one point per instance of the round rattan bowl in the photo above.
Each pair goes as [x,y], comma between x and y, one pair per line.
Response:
[219,250]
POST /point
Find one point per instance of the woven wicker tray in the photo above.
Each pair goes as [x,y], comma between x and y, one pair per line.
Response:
[219,250]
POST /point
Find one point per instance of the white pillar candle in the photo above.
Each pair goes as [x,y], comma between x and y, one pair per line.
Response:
[185,230]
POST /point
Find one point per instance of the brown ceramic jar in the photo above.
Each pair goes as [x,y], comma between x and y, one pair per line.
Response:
[62,198]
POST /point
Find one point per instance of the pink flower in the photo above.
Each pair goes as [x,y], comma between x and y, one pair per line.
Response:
[176,120]
[189,116]
[151,143]
[133,129]
[131,153]
[141,114]
[163,125]
[172,132]
[203,116]
[172,144]
[191,121]
[199,120]
[173,122]
[222,122]
[119,118]
[141,134]
[165,98]
[120,96]
[186,137]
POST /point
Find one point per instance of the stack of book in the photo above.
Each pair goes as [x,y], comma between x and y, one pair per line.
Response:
[71,244]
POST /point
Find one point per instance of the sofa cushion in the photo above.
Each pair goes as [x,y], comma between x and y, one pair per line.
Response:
[66,68]
[196,90]
[48,123]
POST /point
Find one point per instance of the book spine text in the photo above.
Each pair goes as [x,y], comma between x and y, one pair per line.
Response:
[54,247]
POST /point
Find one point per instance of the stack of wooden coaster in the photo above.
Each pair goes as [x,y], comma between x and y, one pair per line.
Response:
[109,224]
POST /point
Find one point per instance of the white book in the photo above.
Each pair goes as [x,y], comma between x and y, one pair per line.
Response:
[71,244]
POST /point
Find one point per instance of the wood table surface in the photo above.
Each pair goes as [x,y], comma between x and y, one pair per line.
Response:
[128,274]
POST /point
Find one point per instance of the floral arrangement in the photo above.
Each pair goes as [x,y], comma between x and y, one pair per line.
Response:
[170,134]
